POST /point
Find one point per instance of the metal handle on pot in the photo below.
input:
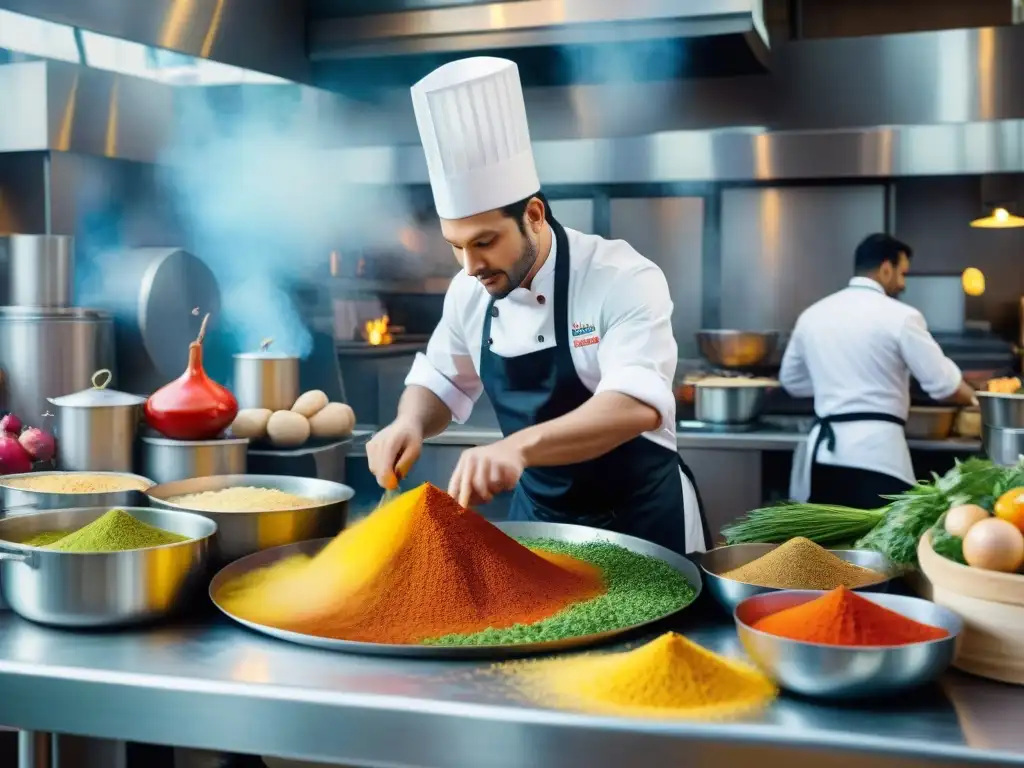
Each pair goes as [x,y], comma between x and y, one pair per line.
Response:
[15,557]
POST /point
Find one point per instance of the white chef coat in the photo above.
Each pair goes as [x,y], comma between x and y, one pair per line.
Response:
[855,351]
[621,310]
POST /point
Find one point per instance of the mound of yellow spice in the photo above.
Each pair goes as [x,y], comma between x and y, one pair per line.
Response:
[419,567]
[669,677]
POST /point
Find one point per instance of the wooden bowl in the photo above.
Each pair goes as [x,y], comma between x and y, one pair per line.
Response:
[991,605]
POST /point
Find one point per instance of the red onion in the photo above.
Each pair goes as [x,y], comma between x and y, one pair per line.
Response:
[40,445]
[13,458]
[193,406]
[10,424]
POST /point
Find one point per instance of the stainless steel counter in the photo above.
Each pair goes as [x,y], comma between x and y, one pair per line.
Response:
[760,440]
[210,685]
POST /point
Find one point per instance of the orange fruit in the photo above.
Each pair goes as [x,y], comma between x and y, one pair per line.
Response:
[1010,507]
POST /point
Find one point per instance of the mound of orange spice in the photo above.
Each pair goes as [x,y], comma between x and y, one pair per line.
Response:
[842,617]
[417,568]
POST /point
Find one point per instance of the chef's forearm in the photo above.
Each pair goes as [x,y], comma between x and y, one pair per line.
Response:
[605,421]
[423,409]
[964,395]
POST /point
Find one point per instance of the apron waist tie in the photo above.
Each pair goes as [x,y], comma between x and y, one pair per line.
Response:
[827,435]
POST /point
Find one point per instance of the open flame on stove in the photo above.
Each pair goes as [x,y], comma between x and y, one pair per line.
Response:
[377,331]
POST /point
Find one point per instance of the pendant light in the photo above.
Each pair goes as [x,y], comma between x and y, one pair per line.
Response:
[973,281]
[1000,218]
[998,195]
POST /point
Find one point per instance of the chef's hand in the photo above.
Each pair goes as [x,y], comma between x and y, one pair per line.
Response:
[392,452]
[485,471]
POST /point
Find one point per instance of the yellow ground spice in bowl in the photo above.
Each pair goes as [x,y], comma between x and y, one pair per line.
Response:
[76,482]
[669,677]
[802,564]
[242,499]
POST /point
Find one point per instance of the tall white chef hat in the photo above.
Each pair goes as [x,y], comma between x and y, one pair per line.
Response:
[472,122]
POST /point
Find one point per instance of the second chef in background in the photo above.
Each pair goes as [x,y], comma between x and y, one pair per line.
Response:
[569,334]
[854,352]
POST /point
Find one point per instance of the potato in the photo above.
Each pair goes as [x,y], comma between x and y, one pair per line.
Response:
[335,420]
[288,429]
[310,403]
[251,423]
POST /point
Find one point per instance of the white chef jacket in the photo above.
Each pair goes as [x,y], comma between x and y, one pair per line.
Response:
[620,306]
[855,351]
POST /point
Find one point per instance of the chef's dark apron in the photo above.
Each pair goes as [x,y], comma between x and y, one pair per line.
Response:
[850,486]
[634,488]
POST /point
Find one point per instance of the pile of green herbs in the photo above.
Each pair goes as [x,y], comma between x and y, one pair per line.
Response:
[895,529]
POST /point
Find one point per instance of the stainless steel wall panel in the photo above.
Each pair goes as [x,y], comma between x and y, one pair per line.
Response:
[575,214]
[669,232]
[785,248]
[263,35]
[23,117]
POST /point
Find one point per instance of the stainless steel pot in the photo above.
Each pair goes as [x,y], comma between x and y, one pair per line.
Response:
[17,501]
[1001,410]
[96,428]
[264,380]
[1003,446]
[242,533]
[69,589]
[168,460]
[40,270]
[47,353]
[728,404]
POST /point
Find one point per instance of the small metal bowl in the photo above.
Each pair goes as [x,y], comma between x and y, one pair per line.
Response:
[17,501]
[102,589]
[243,533]
[730,593]
[847,672]
[1001,409]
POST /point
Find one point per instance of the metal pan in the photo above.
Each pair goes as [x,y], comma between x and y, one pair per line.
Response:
[576,534]
[101,589]
[243,533]
[17,501]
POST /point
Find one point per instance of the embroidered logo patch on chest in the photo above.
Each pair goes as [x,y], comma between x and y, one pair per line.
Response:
[584,334]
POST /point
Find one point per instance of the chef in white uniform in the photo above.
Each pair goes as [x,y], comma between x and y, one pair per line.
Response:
[569,334]
[854,352]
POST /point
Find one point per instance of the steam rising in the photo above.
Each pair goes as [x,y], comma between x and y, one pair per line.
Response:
[262,208]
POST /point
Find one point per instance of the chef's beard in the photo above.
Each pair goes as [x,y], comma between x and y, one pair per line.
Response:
[516,274]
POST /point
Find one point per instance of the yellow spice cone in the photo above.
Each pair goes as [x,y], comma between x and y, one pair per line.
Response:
[670,677]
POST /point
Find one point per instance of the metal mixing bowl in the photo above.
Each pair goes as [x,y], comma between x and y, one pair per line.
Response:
[102,589]
[1001,410]
[17,501]
[847,672]
[242,533]
[730,593]
[738,349]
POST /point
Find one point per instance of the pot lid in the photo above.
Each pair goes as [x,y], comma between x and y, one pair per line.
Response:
[98,396]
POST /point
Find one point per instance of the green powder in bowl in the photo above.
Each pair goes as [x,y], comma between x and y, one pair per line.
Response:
[115,531]
[44,539]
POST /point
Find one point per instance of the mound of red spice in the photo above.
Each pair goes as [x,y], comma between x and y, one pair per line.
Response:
[842,617]
[420,567]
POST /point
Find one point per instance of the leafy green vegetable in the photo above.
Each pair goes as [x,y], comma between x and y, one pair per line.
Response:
[912,513]
[946,544]
[895,529]
[825,524]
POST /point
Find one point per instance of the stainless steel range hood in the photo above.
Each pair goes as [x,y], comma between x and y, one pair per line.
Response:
[262,35]
[554,41]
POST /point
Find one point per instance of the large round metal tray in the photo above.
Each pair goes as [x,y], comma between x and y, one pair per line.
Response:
[575,534]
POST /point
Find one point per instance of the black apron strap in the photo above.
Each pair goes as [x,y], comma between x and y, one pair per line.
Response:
[827,435]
